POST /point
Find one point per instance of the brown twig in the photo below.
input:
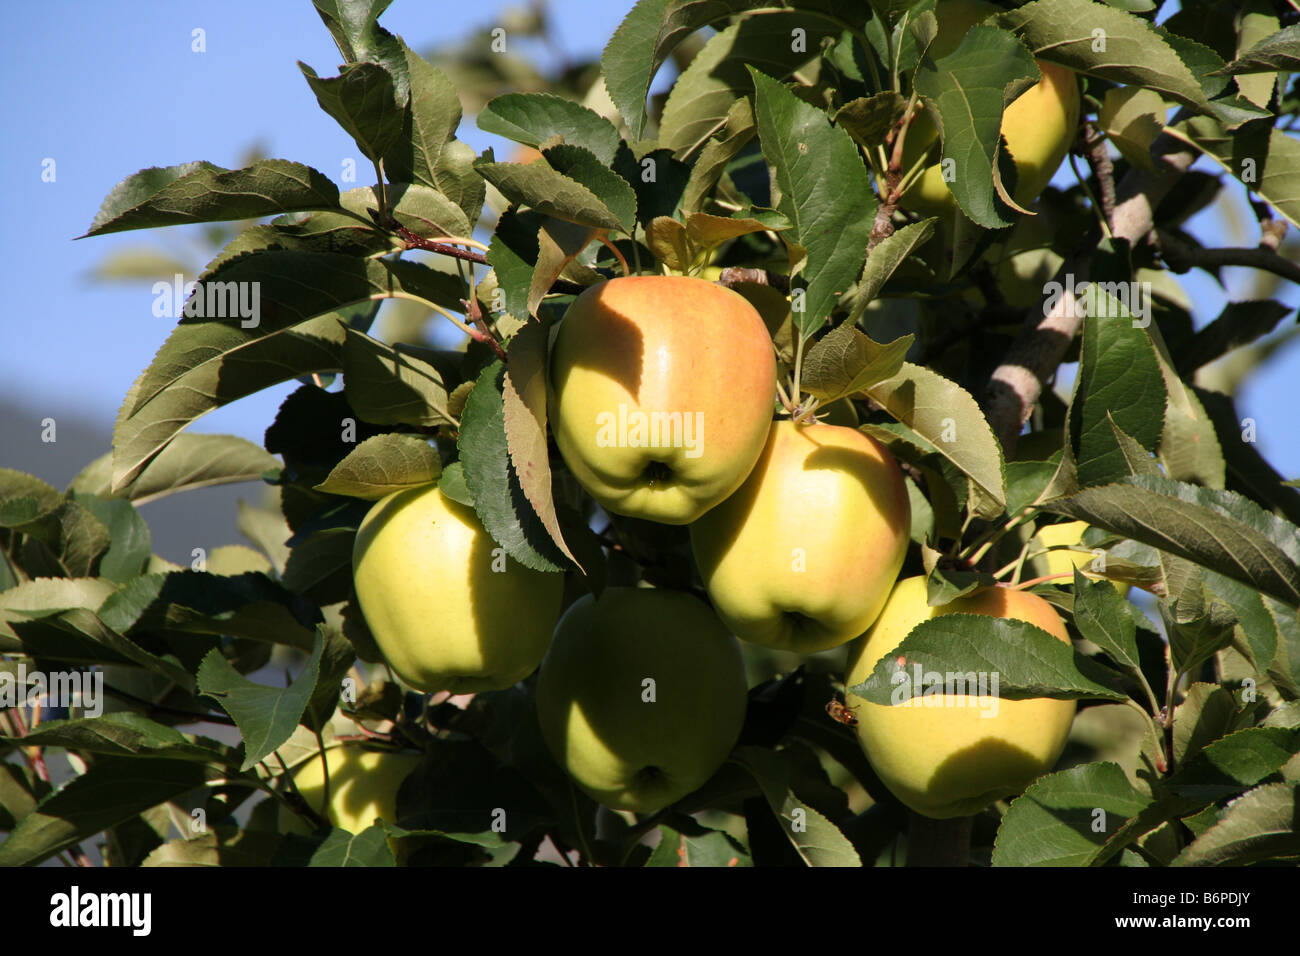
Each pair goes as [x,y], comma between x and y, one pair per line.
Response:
[1181,256]
[735,275]
[481,331]
[1015,385]
[1103,170]
[883,227]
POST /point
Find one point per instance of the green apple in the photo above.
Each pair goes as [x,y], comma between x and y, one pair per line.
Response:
[804,555]
[661,392]
[363,786]
[448,609]
[641,696]
[1038,126]
[948,755]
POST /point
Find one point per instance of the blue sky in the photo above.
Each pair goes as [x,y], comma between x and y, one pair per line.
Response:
[104,92]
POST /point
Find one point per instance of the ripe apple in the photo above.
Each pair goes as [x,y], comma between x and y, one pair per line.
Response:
[641,696]
[448,609]
[804,555]
[950,755]
[1038,125]
[661,394]
[1068,534]
[363,786]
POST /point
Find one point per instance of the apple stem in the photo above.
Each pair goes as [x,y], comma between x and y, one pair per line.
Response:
[604,241]
[1048,577]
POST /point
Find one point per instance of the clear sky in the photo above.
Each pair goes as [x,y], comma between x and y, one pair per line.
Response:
[106,88]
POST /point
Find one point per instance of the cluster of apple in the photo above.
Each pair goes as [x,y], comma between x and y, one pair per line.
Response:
[799,531]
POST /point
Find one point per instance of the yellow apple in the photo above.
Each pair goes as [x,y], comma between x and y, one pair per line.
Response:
[363,786]
[661,394]
[1068,534]
[641,696]
[804,555]
[1038,125]
[950,755]
[448,609]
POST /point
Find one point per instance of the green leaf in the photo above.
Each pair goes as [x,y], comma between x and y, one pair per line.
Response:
[367,848]
[1206,713]
[583,167]
[868,119]
[1280,51]
[825,192]
[426,212]
[387,385]
[112,791]
[382,465]
[452,484]
[427,151]
[363,100]
[1054,822]
[945,415]
[816,839]
[220,846]
[1219,530]
[523,396]
[1106,619]
[188,462]
[687,843]
[735,135]
[541,187]
[944,585]
[127,734]
[130,547]
[1131,51]
[846,362]
[559,244]
[1119,381]
[354,24]
[887,256]
[266,716]
[535,118]
[1132,118]
[490,478]
[702,95]
[1256,827]
[966,92]
[1027,661]
[202,192]
[1235,763]
[1265,159]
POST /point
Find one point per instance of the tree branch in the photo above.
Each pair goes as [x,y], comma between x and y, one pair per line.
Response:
[1181,255]
[1103,169]
[1016,384]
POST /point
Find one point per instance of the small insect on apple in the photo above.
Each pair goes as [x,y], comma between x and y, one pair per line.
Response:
[841,713]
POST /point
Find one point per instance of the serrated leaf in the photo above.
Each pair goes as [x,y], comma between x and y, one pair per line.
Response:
[945,415]
[1235,763]
[535,118]
[342,849]
[1280,51]
[687,843]
[1133,53]
[1105,618]
[524,418]
[825,192]
[846,362]
[490,478]
[129,546]
[585,168]
[1255,827]
[220,846]
[188,462]
[541,187]
[868,119]
[887,256]
[559,244]
[113,790]
[816,839]
[127,734]
[426,212]
[202,192]
[363,100]
[382,465]
[1053,823]
[965,93]
[388,386]
[1216,529]
[1029,661]
[735,135]
[452,484]
[1120,381]
[1266,160]
[1132,118]
[266,716]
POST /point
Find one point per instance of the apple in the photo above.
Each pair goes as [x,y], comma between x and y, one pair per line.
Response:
[1039,125]
[952,760]
[641,696]
[661,393]
[804,555]
[1068,534]
[448,609]
[363,786]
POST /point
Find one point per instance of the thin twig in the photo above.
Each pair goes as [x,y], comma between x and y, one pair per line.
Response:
[1182,256]
[1103,170]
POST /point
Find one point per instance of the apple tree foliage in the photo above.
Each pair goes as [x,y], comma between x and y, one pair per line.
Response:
[770,154]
